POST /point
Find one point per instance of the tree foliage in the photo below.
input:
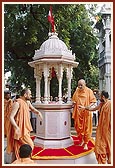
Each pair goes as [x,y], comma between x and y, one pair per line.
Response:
[26,27]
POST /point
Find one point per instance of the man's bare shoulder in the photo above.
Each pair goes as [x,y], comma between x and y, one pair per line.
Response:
[16,104]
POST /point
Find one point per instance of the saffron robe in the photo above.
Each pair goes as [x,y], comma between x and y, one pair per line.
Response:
[22,119]
[7,110]
[103,134]
[83,118]
[7,124]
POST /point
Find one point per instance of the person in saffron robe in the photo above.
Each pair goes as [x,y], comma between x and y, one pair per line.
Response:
[103,132]
[25,152]
[20,120]
[83,119]
[7,110]
[8,103]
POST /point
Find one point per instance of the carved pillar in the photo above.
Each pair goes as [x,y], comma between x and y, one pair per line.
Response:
[38,79]
[60,76]
[69,77]
[46,74]
[49,88]
[38,94]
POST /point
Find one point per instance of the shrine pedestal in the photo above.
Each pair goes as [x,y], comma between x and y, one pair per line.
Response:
[54,130]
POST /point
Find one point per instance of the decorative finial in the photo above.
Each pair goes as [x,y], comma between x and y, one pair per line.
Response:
[52,34]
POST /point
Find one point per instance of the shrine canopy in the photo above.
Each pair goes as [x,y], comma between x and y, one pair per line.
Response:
[55,49]
[53,55]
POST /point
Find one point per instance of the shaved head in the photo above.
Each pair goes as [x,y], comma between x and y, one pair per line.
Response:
[82,81]
[26,93]
[81,84]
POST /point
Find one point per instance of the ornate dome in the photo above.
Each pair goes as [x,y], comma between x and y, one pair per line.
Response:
[53,48]
[53,42]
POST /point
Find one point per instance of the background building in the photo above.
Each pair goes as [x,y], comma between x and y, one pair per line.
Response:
[104,34]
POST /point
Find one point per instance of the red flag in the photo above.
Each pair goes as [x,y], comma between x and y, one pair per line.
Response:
[51,19]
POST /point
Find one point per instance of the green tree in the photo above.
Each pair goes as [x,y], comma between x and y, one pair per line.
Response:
[26,27]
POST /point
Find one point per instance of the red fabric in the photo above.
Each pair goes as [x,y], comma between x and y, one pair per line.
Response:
[76,140]
[51,19]
[36,150]
[54,152]
[33,137]
[53,73]
[75,149]
[71,151]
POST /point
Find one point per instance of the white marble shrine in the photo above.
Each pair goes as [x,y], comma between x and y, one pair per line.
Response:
[54,130]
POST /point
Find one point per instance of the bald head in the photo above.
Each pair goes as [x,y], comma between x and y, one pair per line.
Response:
[81,84]
[26,94]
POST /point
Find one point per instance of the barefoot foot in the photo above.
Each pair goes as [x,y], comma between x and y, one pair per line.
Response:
[85,147]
